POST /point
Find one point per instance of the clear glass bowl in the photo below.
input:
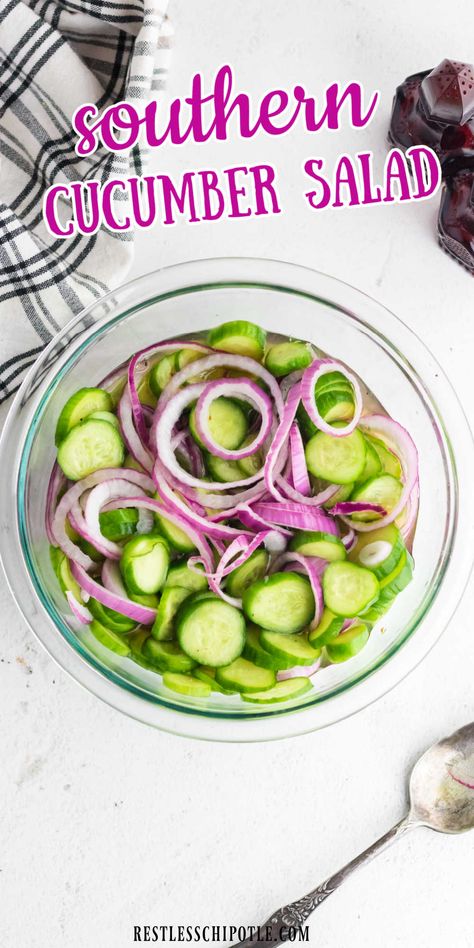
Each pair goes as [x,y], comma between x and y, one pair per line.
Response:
[286,299]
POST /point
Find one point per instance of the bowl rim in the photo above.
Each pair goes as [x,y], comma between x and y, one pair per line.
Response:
[291,278]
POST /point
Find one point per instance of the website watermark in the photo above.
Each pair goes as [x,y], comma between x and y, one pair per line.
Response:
[219,934]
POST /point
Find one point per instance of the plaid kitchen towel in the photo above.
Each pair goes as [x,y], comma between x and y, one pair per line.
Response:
[54,56]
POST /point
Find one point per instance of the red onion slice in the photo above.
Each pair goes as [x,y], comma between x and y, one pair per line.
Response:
[297,516]
[299,471]
[56,483]
[348,507]
[72,551]
[136,446]
[246,391]
[276,456]
[78,609]
[99,496]
[173,502]
[133,610]
[308,383]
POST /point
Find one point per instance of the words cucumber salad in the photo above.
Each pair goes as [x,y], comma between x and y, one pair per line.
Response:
[230,513]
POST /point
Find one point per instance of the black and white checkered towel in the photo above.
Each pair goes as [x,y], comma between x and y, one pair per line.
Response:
[54,56]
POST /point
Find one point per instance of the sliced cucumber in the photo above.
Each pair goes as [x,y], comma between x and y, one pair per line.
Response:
[167,656]
[349,589]
[145,394]
[343,493]
[395,583]
[185,356]
[222,470]
[373,464]
[392,579]
[253,569]
[186,685]
[281,691]
[151,601]
[62,568]
[294,648]
[337,460]
[379,550]
[240,337]
[332,381]
[329,626]
[254,462]
[136,641]
[286,357]
[384,490]
[144,563]
[78,407]
[283,602]
[171,599]
[306,425]
[90,446]
[317,543]
[111,640]
[161,373]
[242,675]
[348,643]
[176,537]
[210,631]
[110,618]
[208,675]
[228,424]
[255,652]
[389,461]
[105,416]
[179,574]
[336,404]
[116,525]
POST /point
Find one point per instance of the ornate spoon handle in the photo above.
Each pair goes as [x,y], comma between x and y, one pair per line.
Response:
[294,914]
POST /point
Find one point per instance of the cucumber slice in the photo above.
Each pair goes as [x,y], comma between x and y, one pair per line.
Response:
[136,641]
[389,461]
[240,337]
[118,524]
[343,493]
[335,405]
[110,618]
[172,598]
[254,462]
[228,424]
[111,640]
[179,574]
[145,394]
[281,691]
[349,589]
[241,578]
[337,460]
[395,583]
[186,685]
[288,357]
[384,490]
[379,550]
[221,470]
[306,426]
[332,380]
[283,602]
[210,631]
[373,464]
[255,652]
[348,643]
[167,656]
[317,543]
[242,675]
[208,675]
[132,464]
[329,626]
[176,537]
[161,373]
[144,563]
[90,446]
[78,407]
[294,648]
[185,356]
[105,416]
[61,566]
[151,601]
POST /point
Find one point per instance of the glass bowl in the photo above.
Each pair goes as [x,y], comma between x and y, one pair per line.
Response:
[286,299]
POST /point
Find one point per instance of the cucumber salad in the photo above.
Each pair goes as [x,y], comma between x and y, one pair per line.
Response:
[230,513]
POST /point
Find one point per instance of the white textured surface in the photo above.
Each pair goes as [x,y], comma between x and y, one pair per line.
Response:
[105,824]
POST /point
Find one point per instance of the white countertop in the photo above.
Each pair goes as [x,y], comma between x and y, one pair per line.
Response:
[106,824]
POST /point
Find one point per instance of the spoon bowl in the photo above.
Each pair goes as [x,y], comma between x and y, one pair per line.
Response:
[442,784]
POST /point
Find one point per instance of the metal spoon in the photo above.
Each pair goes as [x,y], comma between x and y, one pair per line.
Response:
[441,798]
